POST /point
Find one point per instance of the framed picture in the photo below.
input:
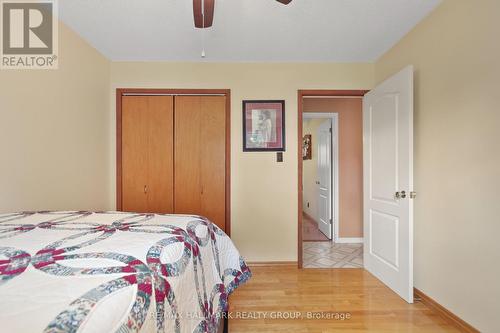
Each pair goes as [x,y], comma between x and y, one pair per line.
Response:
[307,147]
[264,125]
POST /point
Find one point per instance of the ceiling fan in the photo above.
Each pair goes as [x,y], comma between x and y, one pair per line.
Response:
[204,12]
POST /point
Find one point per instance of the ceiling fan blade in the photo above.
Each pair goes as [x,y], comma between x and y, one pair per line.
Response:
[209,13]
[285,2]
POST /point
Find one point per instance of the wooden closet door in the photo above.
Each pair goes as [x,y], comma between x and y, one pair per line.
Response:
[134,154]
[147,154]
[160,191]
[200,137]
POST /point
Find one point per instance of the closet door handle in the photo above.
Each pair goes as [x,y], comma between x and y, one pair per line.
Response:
[145,189]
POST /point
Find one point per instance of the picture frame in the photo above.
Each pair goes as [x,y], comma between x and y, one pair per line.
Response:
[263,125]
[307,147]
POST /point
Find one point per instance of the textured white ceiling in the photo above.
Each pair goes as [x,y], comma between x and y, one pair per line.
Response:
[245,30]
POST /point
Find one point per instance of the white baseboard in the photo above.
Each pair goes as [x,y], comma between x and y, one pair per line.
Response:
[356,240]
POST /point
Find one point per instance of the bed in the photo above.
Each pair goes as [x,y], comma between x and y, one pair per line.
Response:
[115,272]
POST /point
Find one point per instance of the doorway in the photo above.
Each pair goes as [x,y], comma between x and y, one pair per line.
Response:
[320,176]
[330,179]
[322,245]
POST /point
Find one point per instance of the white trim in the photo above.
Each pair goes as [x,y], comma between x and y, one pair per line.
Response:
[352,240]
[334,116]
[336,166]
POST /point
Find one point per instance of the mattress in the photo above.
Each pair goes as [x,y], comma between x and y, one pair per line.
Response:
[114,272]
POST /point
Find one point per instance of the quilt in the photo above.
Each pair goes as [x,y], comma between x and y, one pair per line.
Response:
[114,272]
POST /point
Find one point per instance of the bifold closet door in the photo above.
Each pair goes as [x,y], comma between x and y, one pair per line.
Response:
[200,157]
[147,154]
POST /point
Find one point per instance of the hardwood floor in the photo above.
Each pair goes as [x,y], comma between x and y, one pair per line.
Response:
[346,292]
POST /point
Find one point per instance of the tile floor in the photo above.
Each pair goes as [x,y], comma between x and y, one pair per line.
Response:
[331,255]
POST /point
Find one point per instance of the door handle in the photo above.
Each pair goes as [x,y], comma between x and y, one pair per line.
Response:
[400,195]
[145,189]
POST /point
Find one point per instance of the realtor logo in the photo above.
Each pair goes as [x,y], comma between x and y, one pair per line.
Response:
[29,34]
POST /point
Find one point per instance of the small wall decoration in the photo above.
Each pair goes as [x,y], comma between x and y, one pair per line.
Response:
[307,147]
[264,125]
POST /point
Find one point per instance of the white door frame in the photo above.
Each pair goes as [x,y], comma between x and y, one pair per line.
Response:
[334,116]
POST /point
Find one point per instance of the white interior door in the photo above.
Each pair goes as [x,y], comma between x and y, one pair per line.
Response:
[324,182]
[388,182]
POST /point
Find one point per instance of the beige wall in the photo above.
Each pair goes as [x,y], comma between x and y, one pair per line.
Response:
[456,54]
[263,193]
[310,170]
[349,111]
[57,140]
[53,132]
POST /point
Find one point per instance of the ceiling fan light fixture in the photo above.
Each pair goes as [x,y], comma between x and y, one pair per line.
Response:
[203,12]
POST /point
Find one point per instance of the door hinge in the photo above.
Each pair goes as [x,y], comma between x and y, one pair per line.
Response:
[413,194]
[330,130]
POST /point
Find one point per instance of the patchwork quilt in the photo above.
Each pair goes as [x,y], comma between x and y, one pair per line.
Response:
[114,272]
